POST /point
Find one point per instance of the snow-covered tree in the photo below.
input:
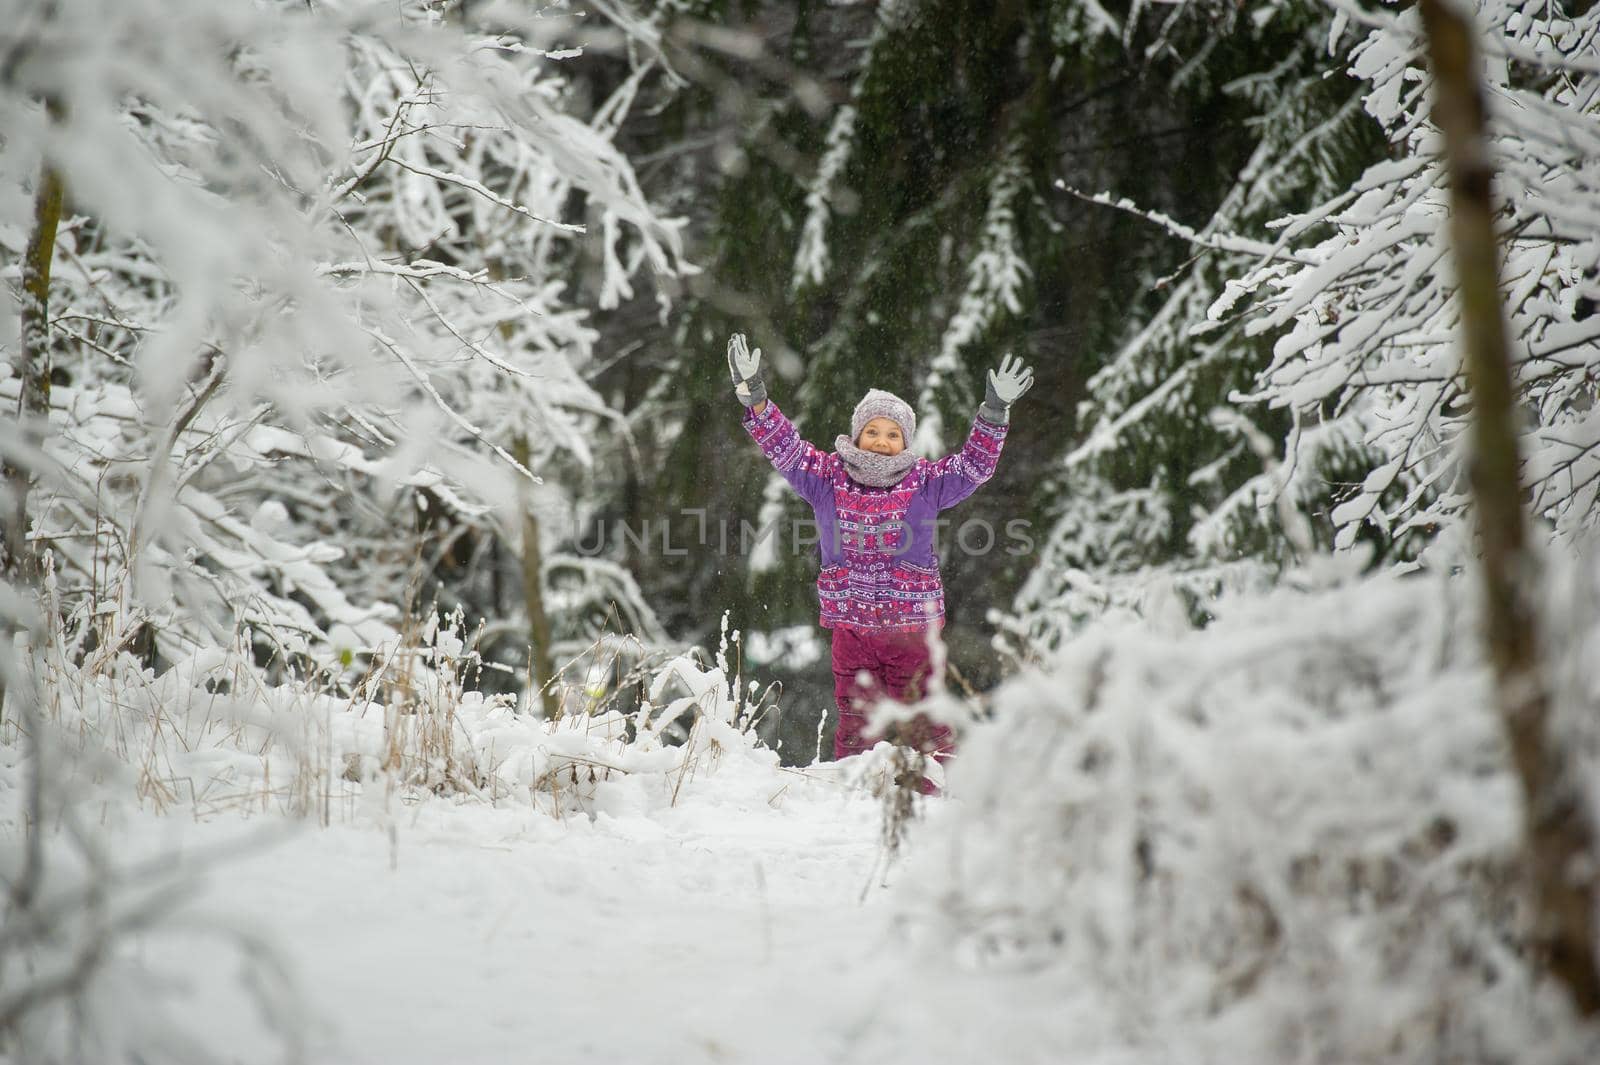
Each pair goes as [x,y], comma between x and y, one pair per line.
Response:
[1358,295]
[1305,366]
[1354,296]
[307,279]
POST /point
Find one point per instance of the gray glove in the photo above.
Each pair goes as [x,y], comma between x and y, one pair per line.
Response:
[745,366]
[1004,388]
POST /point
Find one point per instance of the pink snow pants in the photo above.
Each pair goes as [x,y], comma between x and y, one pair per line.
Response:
[896,665]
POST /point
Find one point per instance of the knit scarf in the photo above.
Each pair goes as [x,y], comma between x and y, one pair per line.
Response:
[871,468]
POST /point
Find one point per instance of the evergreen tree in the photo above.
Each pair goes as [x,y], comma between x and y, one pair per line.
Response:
[903,218]
[1168,472]
[1361,304]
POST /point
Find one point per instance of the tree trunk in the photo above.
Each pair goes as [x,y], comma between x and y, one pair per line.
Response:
[540,663]
[1558,837]
[32,368]
[543,666]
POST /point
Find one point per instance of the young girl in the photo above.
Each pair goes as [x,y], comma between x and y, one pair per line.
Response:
[877,505]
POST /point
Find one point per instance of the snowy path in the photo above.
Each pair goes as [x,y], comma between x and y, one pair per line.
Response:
[720,930]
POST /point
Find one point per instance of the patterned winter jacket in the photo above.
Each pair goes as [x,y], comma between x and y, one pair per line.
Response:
[880,569]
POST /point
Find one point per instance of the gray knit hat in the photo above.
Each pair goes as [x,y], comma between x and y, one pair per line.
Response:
[880,404]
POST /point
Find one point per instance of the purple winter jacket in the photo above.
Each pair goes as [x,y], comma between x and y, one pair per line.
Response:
[880,569]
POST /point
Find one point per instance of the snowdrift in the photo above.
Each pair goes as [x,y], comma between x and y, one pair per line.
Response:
[1289,836]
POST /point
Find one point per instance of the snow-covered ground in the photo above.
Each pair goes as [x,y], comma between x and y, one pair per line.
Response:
[748,923]
[509,889]
[1288,836]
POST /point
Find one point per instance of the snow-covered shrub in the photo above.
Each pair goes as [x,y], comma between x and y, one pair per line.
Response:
[1289,836]
[209,734]
[1095,559]
[84,920]
[77,983]
[445,739]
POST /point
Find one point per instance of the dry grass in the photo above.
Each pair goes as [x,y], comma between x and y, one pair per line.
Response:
[218,733]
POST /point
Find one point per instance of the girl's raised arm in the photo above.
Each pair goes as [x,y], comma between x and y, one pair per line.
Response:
[800,463]
[745,366]
[955,477]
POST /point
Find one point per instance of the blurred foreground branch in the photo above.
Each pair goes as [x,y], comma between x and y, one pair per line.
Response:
[1558,836]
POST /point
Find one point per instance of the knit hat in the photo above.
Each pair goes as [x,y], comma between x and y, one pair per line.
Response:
[880,404]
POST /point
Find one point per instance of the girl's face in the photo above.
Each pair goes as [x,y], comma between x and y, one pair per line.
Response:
[883,436]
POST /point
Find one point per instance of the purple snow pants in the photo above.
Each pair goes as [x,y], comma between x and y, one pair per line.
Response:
[896,665]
